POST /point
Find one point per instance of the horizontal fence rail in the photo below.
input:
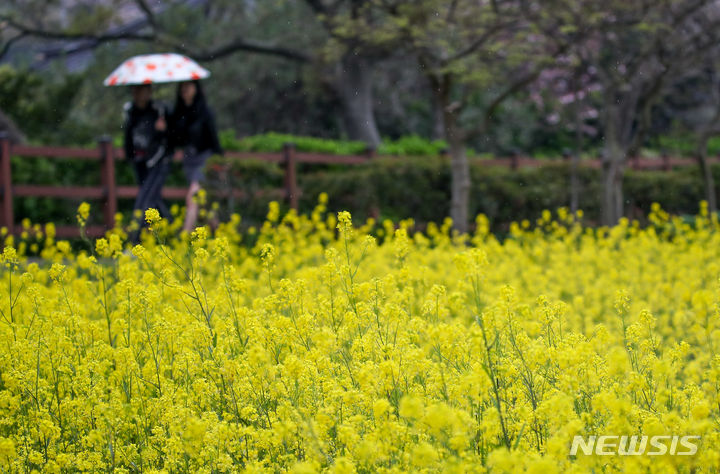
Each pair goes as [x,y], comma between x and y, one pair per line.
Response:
[109,192]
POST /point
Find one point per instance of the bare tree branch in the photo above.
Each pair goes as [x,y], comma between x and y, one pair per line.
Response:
[317,6]
[512,89]
[509,91]
[489,33]
[149,14]
[219,52]
[239,45]
[8,44]
[66,35]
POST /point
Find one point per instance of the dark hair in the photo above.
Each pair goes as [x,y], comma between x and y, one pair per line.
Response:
[198,102]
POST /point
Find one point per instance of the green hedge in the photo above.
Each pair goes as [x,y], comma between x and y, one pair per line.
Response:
[412,145]
[684,144]
[395,188]
[420,188]
[69,172]
[273,142]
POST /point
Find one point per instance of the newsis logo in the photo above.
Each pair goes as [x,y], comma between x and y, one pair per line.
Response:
[635,445]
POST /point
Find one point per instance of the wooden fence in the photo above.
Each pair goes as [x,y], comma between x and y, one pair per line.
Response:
[109,192]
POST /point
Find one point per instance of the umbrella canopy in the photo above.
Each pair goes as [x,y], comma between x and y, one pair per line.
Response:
[156,68]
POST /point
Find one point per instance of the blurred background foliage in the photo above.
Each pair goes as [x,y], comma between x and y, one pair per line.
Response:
[281,72]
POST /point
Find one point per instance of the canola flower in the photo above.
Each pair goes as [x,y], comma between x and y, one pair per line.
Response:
[325,346]
[152,216]
[83,213]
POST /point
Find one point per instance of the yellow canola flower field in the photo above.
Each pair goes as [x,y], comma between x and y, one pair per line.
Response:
[316,345]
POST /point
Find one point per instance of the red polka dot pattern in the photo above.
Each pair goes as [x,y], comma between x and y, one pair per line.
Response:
[156,69]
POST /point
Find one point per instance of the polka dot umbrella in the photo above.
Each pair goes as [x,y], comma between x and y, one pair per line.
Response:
[155,69]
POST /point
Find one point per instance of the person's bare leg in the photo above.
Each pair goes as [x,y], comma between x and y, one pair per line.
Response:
[191,207]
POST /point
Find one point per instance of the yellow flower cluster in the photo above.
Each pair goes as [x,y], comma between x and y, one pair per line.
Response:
[83,213]
[377,348]
[152,216]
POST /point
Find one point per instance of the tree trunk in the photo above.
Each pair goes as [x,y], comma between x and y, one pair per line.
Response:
[575,163]
[706,171]
[574,182]
[459,166]
[460,187]
[438,122]
[353,85]
[618,139]
[613,168]
[9,127]
[459,173]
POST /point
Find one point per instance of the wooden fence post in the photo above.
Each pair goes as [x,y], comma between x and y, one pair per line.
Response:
[566,155]
[6,211]
[665,161]
[107,155]
[514,161]
[291,189]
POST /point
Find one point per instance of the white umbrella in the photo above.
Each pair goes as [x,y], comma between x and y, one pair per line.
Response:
[156,68]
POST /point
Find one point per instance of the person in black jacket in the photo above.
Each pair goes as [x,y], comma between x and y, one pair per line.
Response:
[145,143]
[194,138]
